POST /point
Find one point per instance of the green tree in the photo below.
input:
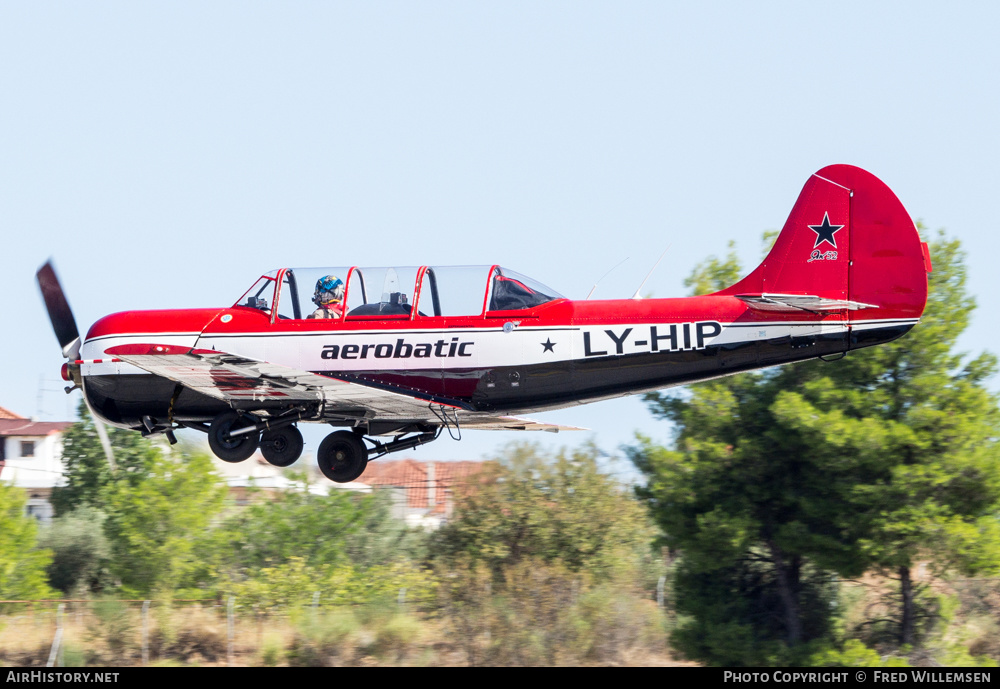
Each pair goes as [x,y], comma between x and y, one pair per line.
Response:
[740,501]
[382,539]
[156,520]
[923,428]
[86,467]
[81,554]
[779,478]
[715,273]
[340,527]
[562,510]
[746,511]
[547,561]
[22,563]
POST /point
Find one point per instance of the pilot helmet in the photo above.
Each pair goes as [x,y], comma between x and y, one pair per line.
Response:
[329,290]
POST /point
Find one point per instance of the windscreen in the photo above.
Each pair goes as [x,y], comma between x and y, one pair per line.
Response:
[261,294]
[513,291]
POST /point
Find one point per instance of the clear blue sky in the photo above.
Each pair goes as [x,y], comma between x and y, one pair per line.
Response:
[166,154]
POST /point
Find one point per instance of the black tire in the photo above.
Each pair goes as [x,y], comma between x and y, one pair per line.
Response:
[231,449]
[281,447]
[342,456]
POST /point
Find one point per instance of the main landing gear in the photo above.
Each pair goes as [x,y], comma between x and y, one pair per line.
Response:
[342,456]
[234,437]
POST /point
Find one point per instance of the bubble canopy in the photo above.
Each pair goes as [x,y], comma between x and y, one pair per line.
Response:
[396,292]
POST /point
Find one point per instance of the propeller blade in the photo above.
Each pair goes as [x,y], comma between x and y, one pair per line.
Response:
[60,314]
[102,433]
[68,335]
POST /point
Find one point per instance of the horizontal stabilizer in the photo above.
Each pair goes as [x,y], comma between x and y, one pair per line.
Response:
[513,423]
[800,302]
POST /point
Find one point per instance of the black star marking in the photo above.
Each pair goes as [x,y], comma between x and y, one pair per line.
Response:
[548,344]
[825,232]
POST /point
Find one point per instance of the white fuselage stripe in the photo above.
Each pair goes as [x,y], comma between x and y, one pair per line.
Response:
[469,348]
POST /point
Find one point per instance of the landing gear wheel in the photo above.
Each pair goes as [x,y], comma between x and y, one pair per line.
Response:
[281,447]
[342,456]
[231,448]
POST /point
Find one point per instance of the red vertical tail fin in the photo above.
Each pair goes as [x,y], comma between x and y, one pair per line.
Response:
[847,239]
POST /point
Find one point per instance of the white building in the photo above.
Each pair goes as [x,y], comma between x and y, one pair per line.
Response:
[30,458]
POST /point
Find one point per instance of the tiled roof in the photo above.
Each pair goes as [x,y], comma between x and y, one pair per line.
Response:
[22,426]
[413,475]
[7,414]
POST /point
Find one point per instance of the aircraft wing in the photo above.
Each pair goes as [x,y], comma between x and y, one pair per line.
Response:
[230,377]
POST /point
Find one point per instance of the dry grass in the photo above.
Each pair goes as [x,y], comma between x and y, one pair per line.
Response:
[110,634]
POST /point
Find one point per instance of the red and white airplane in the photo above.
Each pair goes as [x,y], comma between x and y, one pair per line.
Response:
[411,351]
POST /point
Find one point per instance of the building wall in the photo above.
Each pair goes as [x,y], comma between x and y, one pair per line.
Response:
[37,474]
[45,462]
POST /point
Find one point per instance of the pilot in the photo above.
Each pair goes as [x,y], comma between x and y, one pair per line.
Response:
[328,297]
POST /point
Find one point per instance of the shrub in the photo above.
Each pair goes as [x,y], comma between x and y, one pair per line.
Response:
[323,639]
[80,551]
